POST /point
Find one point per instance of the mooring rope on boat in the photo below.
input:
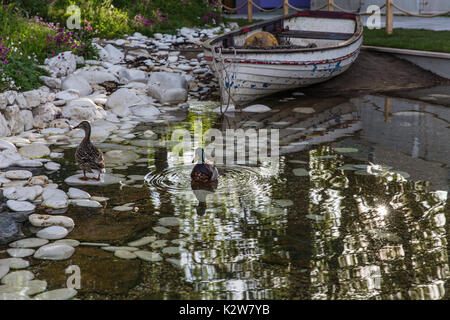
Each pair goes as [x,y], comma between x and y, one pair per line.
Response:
[218,60]
[234,9]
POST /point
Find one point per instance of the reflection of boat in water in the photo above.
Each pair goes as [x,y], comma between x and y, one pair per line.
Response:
[313,47]
[299,131]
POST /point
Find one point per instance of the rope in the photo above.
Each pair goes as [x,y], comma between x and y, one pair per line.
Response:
[300,9]
[342,9]
[265,10]
[235,9]
[219,61]
[420,15]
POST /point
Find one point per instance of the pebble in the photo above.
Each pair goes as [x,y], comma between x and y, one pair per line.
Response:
[26,288]
[142,242]
[125,254]
[13,296]
[94,244]
[148,256]
[44,220]
[29,163]
[18,174]
[75,193]
[300,172]
[112,249]
[20,253]
[4,269]
[86,203]
[162,230]
[18,206]
[158,244]
[54,251]
[52,233]
[28,243]
[15,263]
[123,208]
[171,250]
[169,221]
[58,294]
[17,277]
[52,166]
[69,242]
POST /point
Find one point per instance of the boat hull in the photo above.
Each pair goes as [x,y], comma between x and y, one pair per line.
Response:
[247,76]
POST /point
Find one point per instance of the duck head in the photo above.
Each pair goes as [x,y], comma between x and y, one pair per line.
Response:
[199,156]
[85,125]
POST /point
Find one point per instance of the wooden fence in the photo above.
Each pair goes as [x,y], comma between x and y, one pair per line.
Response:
[330,6]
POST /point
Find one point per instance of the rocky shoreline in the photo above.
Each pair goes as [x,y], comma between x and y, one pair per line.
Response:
[136,79]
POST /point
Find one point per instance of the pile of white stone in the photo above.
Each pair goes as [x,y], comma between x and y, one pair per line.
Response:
[149,73]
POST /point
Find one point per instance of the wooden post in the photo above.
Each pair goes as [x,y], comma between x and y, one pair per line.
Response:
[330,5]
[285,7]
[219,5]
[387,109]
[250,10]
[389,17]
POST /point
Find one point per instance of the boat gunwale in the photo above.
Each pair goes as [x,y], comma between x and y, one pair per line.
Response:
[208,45]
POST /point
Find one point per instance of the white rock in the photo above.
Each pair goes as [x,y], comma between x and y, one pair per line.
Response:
[22,193]
[28,243]
[15,205]
[77,83]
[20,253]
[75,193]
[69,242]
[54,198]
[120,156]
[86,203]
[161,230]
[97,76]
[145,111]
[68,95]
[4,269]
[29,163]
[18,174]
[105,179]
[44,220]
[34,150]
[148,256]
[115,55]
[62,65]
[124,254]
[123,248]
[54,251]
[25,288]
[122,99]
[169,221]
[8,157]
[257,108]
[168,87]
[83,109]
[52,233]
[15,263]
[142,242]
[13,296]
[52,166]
[58,294]
[17,277]
[6,145]
[51,82]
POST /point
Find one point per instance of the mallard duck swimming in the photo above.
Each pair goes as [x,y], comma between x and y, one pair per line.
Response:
[87,155]
[203,172]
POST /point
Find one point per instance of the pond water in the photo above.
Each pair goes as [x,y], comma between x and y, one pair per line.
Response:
[354,207]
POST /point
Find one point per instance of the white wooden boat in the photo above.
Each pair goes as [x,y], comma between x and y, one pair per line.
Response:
[314,46]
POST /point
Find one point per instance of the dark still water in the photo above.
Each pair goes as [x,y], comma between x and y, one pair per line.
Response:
[355,207]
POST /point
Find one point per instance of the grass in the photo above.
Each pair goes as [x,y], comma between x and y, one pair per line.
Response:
[414,39]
